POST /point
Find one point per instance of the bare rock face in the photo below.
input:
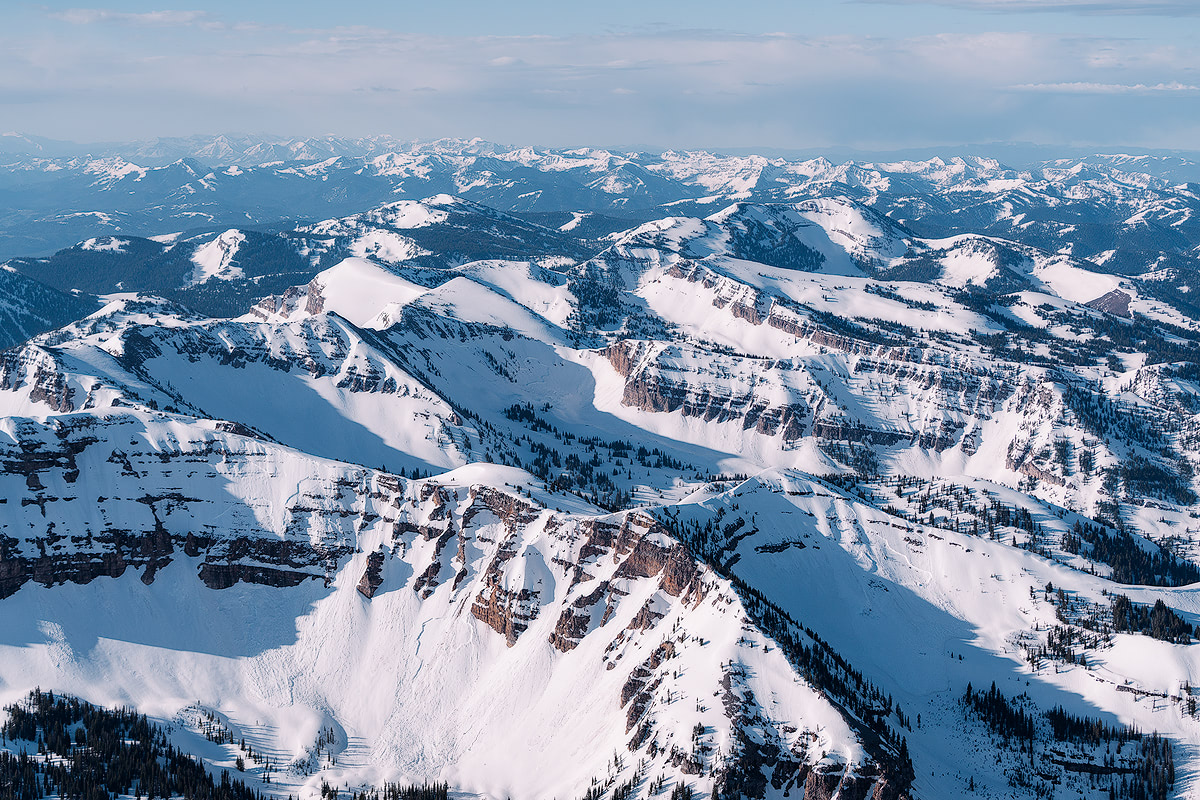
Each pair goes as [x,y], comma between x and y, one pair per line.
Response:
[111,553]
[16,572]
[144,520]
[372,577]
[514,512]
[672,562]
[856,433]
[222,576]
[887,789]
[624,356]
[780,398]
[638,691]
[575,620]
[822,784]
[653,383]
[432,576]
[316,300]
[1115,302]
[36,371]
[506,612]
[850,783]
[641,550]
[758,308]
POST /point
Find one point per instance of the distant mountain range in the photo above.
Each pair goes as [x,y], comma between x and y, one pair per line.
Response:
[51,199]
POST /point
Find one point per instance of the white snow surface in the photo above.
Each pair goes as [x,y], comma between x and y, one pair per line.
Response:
[105,244]
[215,260]
[359,290]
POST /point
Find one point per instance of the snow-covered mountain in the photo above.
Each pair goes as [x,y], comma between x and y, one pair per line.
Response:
[1134,209]
[222,272]
[783,490]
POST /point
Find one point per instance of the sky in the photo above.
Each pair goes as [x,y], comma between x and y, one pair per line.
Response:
[739,74]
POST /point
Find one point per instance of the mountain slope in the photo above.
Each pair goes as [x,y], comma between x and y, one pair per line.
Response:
[350,599]
[29,307]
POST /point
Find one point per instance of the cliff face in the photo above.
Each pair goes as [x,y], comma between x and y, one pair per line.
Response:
[91,498]
[785,401]
[35,371]
[371,578]
[770,365]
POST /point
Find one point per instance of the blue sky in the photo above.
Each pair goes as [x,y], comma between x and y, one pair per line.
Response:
[876,74]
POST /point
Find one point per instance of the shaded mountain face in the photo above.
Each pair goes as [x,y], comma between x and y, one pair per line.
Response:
[29,307]
[1128,212]
[791,498]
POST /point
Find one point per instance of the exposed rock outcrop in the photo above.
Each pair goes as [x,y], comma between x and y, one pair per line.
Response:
[372,577]
[1115,302]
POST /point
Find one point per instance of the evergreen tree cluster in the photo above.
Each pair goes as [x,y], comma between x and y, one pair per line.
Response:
[84,752]
[1004,717]
[1144,478]
[1085,730]
[884,333]
[1085,625]
[1151,777]
[1147,773]
[587,466]
[393,791]
[1061,644]
[957,508]
[882,290]
[1155,776]
[773,244]
[1131,563]
[681,791]
[1110,419]
[1162,342]
[598,299]
[1159,621]
[524,413]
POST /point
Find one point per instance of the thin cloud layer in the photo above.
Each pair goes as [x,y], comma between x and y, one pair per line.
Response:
[662,88]
[1080,87]
[91,16]
[1159,8]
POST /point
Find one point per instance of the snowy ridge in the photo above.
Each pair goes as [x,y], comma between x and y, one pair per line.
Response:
[215,260]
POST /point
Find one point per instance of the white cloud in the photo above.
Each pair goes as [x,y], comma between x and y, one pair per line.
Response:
[1083,87]
[1163,8]
[91,16]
